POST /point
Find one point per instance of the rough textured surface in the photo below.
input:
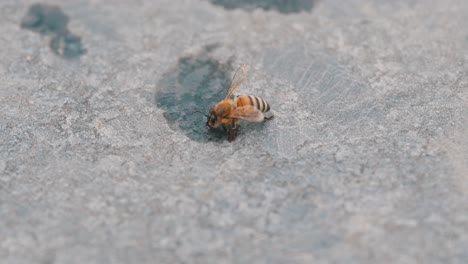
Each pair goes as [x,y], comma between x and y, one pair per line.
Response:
[102,159]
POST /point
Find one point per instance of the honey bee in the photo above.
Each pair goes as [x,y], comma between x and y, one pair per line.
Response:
[229,112]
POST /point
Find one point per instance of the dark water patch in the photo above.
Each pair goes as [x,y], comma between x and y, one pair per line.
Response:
[282,6]
[197,83]
[45,19]
[68,46]
[50,20]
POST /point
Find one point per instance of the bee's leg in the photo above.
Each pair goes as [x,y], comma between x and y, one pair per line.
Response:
[231,135]
[233,131]
[225,129]
[234,123]
[269,118]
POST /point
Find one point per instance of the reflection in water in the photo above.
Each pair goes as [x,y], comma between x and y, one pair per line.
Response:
[197,83]
[50,20]
[283,6]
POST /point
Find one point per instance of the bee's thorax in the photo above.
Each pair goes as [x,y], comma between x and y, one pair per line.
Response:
[224,108]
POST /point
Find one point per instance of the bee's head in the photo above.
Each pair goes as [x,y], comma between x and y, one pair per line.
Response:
[212,119]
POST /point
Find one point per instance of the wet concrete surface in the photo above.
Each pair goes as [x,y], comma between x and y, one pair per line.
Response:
[103,160]
[50,20]
[282,6]
[197,83]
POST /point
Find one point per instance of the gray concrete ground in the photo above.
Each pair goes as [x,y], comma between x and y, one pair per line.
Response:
[102,159]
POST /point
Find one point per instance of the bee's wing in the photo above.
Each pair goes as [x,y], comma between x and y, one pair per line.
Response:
[236,81]
[248,113]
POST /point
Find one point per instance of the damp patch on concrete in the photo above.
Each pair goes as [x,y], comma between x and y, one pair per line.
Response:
[282,6]
[196,84]
[50,20]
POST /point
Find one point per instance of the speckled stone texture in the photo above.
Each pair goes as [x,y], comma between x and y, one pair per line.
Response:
[103,160]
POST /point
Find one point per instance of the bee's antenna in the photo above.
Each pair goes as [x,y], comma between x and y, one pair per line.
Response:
[196,111]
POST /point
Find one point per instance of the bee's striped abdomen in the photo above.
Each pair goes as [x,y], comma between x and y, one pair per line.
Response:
[255,101]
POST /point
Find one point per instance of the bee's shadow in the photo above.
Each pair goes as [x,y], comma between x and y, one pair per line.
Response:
[196,83]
